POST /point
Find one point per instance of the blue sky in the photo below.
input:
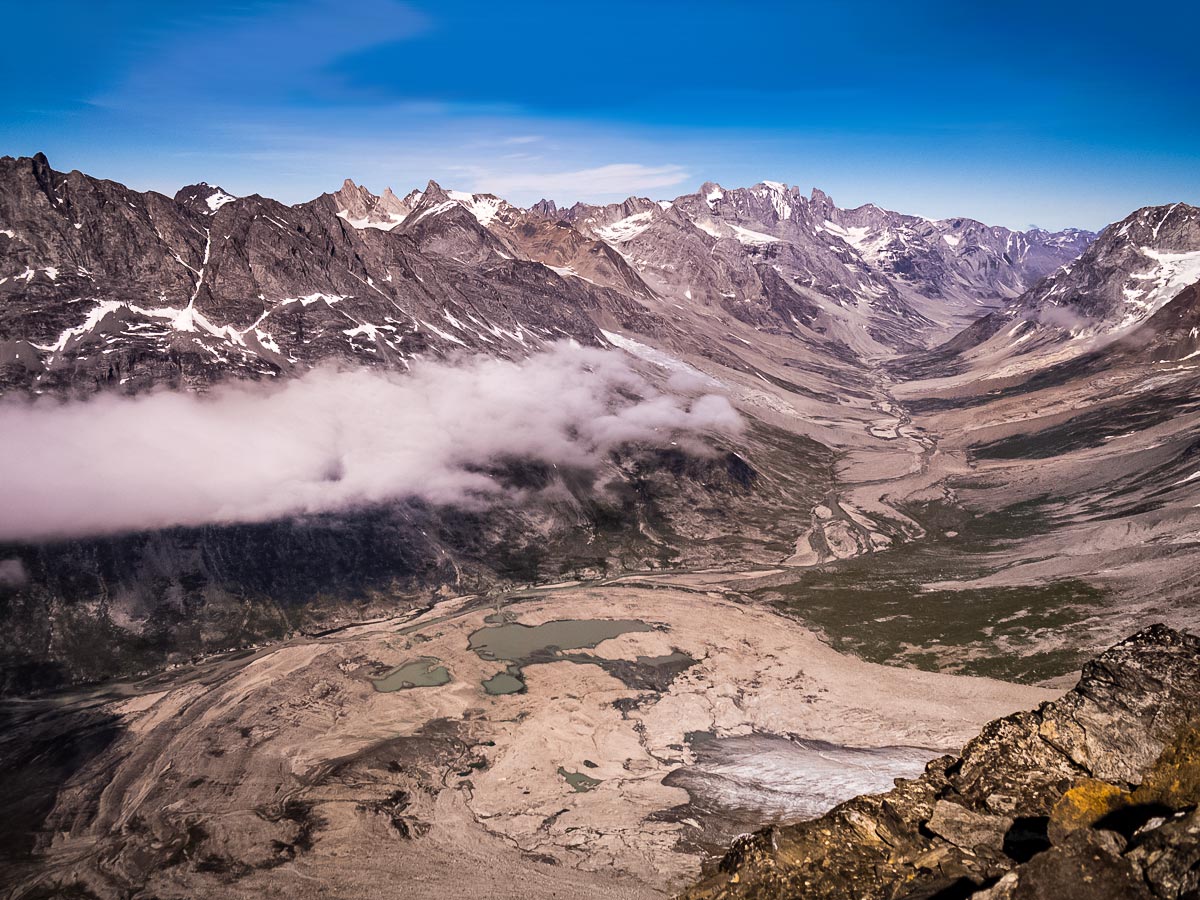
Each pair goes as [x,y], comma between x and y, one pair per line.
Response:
[1014,113]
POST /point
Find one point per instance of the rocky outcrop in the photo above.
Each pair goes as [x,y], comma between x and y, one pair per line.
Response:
[1093,795]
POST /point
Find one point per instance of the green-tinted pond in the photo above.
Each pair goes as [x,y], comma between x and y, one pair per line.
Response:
[517,642]
[504,683]
[424,672]
[522,645]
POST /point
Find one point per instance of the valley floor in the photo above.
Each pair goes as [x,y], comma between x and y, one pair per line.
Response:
[289,774]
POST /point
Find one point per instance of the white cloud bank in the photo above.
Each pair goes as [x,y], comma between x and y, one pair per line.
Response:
[327,441]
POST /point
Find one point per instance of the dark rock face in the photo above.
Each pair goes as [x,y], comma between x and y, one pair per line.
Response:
[1092,795]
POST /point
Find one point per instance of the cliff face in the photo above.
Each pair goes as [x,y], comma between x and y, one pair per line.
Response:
[1093,795]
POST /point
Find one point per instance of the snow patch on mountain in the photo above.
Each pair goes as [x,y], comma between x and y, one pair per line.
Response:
[314,298]
[626,229]
[855,237]
[436,210]
[753,238]
[392,220]
[1148,291]
[483,207]
[217,199]
[657,357]
[777,193]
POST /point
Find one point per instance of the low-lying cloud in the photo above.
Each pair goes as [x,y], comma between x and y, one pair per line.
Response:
[327,441]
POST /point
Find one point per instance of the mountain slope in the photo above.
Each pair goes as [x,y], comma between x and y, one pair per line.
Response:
[108,286]
[1124,278]
[761,293]
[149,291]
[903,279]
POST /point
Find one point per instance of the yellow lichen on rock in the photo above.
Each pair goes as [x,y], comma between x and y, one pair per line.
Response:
[1083,805]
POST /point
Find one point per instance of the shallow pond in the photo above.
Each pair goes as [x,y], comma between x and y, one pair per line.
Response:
[504,683]
[521,645]
[424,672]
[579,782]
[516,642]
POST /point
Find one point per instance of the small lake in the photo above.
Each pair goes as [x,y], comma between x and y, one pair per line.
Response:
[424,672]
[520,645]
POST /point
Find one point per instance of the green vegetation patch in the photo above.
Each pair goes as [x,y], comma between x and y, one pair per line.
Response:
[878,607]
[1000,632]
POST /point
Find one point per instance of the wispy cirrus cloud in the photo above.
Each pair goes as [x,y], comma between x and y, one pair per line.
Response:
[601,182]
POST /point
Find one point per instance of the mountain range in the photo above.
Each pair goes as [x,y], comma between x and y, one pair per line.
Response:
[105,285]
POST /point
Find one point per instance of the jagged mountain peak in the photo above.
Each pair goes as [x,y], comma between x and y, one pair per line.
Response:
[765,255]
[780,186]
[1131,270]
[821,203]
[354,194]
[362,209]
[1164,227]
[434,192]
[711,192]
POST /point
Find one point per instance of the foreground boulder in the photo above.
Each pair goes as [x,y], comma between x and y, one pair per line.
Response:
[1093,795]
